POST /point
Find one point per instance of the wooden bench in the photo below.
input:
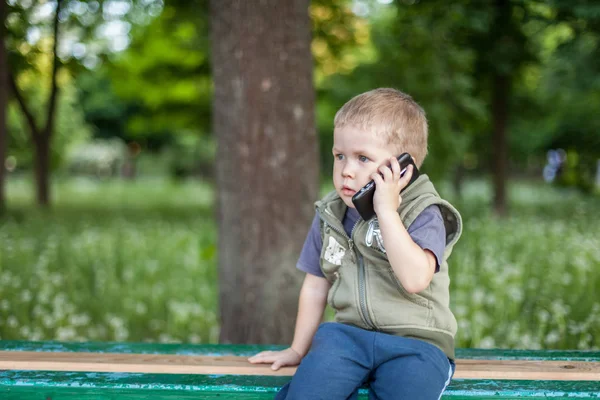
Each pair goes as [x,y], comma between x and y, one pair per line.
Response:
[59,371]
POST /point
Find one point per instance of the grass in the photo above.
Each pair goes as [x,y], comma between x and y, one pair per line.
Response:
[136,261]
[528,281]
[110,261]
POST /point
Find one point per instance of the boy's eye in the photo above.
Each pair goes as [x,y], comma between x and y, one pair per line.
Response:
[339,156]
[363,158]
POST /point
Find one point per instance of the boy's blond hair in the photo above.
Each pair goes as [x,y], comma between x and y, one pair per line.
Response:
[391,114]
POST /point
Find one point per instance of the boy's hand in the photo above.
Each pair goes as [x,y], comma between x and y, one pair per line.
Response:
[387,190]
[278,359]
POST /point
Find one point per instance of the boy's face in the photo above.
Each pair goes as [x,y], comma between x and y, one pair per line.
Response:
[356,155]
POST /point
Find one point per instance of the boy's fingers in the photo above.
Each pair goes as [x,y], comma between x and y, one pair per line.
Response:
[276,365]
[262,361]
[377,178]
[386,172]
[395,165]
[265,357]
[256,356]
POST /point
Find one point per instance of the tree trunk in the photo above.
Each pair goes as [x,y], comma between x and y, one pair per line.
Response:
[267,162]
[500,95]
[501,83]
[42,168]
[3,106]
[41,138]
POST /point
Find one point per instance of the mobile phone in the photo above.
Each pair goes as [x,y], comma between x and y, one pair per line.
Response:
[363,199]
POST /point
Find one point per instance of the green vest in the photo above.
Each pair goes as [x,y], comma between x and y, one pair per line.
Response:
[366,293]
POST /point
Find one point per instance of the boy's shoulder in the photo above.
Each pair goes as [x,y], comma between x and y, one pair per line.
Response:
[420,196]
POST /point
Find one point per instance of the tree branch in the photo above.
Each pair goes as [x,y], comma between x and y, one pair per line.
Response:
[55,64]
[28,115]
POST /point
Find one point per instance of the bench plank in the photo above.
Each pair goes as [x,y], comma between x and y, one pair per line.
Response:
[235,365]
[36,385]
[69,385]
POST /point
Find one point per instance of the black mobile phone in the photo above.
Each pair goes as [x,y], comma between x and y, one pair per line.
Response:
[363,199]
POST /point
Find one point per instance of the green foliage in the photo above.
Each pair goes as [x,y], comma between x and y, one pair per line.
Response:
[340,38]
[165,73]
[444,55]
[557,98]
[83,41]
[19,20]
[101,106]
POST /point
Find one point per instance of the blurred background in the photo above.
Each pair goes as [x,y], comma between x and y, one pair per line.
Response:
[108,150]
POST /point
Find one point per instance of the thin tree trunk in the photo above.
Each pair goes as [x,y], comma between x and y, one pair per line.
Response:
[267,162]
[3,106]
[500,155]
[41,139]
[42,168]
[501,83]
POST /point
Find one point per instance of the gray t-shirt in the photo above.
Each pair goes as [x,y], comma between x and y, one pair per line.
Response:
[427,231]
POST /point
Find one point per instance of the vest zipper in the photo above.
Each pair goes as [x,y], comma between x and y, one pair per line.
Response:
[362,290]
[362,287]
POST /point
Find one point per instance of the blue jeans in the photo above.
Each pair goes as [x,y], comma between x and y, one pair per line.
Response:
[342,358]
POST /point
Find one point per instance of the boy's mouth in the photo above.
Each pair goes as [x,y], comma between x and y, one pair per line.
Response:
[348,191]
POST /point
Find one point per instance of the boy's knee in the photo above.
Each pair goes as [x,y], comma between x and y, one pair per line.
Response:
[417,379]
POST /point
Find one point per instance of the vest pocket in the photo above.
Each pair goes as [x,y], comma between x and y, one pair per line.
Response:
[334,289]
[413,297]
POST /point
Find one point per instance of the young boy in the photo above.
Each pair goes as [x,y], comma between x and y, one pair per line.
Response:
[386,278]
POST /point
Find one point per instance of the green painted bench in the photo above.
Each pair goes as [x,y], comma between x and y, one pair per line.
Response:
[93,371]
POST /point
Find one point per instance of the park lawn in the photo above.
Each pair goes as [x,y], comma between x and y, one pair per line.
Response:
[136,261]
[111,261]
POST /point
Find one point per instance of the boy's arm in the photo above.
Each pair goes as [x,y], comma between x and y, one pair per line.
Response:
[311,306]
[413,266]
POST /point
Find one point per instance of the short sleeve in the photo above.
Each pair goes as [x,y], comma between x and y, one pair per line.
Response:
[428,231]
[310,255]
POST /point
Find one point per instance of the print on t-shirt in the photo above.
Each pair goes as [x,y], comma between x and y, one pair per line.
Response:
[334,252]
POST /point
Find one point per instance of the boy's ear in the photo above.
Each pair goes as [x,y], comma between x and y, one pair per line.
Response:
[415,161]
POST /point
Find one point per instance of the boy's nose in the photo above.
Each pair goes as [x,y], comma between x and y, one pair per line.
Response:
[348,171]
